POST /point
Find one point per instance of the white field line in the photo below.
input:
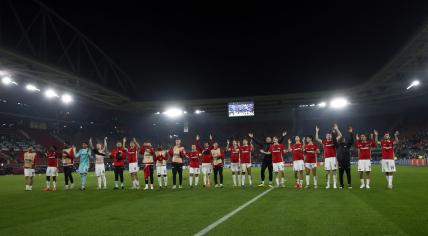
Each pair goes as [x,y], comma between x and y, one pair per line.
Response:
[230,214]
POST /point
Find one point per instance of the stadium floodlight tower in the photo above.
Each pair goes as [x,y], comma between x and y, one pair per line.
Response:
[415,83]
[173,112]
[32,88]
[50,93]
[6,80]
[339,103]
[66,98]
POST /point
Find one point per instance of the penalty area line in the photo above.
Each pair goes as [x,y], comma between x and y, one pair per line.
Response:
[230,214]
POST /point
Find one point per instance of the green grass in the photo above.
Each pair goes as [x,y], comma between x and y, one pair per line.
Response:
[378,211]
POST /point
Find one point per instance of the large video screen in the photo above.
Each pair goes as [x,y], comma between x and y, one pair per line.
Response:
[241,109]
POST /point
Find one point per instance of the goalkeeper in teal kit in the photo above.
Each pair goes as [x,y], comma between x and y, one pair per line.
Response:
[84,154]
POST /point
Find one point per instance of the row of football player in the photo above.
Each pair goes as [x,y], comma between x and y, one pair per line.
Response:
[210,156]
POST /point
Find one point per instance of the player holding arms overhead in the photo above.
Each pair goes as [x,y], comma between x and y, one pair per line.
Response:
[178,154]
[193,156]
[207,160]
[52,170]
[364,147]
[160,159]
[67,164]
[148,159]
[234,161]
[118,155]
[276,150]
[132,151]
[388,162]
[267,158]
[100,152]
[29,164]
[330,160]
[84,154]
[311,151]
[245,159]
[218,161]
[296,150]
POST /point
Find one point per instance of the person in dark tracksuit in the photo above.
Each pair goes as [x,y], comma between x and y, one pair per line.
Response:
[267,158]
[344,157]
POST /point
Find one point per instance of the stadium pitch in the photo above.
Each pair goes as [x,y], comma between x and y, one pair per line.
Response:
[282,211]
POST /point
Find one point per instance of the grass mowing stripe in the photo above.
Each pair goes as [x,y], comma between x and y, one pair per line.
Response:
[224,218]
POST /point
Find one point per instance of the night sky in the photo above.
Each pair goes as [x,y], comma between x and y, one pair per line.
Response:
[208,51]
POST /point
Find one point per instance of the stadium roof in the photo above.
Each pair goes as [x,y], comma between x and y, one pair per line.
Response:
[28,60]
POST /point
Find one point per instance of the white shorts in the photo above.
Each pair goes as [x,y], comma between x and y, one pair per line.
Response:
[51,171]
[234,167]
[161,170]
[193,170]
[29,172]
[330,163]
[364,165]
[133,167]
[245,166]
[298,165]
[100,169]
[279,166]
[310,165]
[388,165]
[206,168]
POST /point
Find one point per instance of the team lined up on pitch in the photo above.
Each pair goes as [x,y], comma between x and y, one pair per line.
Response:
[209,159]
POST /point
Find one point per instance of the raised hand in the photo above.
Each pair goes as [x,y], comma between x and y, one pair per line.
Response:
[105,138]
[211,137]
[289,141]
[375,132]
[317,129]
[350,129]
[284,133]
[124,139]
[228,142]
[197,137]
[396,133]
[335,126]
[251,135]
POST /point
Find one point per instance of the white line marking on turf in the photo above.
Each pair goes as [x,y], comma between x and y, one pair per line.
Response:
[230,214]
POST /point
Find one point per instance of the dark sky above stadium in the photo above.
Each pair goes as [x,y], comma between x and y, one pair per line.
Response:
[226,50]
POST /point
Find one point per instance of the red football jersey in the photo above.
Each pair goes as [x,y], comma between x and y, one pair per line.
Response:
[311,153]
[52,159]
[193,159]
[132,155]
[206,156]
[234,154]
[387,149]
[276,151]
[364,149]
[118,155]
[297,151]
[329,148]
[245,154]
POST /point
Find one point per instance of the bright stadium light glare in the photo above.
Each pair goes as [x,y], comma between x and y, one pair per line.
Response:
[173,112]
[338,103]
[50,93]
[322,104]
[197,111]
[6,80]
[66,98]
[414,83]
[32,88]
